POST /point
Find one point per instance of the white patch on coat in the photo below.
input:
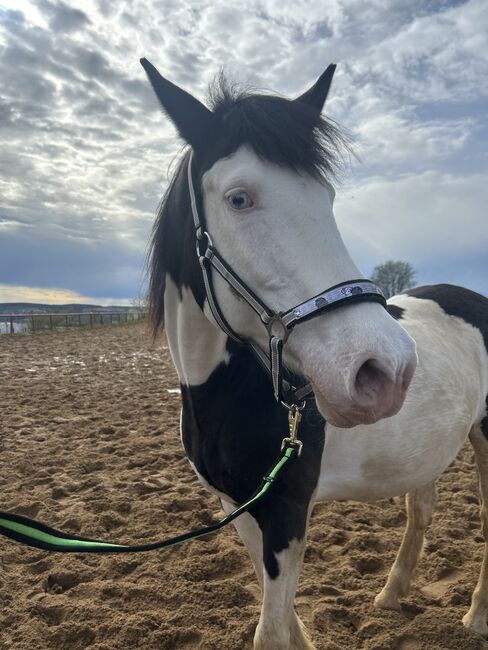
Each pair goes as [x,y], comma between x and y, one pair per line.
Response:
[277,612]
[446,397]
[250,533]
[197,346]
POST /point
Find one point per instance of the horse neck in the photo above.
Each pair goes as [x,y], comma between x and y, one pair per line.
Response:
[204,355]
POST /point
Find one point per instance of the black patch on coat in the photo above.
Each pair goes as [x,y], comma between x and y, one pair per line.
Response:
[457,301]
[484,421]
[232,429]
[463,303]
[395,311]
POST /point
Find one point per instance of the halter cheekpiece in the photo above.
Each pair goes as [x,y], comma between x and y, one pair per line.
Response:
[278,324]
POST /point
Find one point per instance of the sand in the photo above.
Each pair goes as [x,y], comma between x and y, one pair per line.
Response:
[89,443]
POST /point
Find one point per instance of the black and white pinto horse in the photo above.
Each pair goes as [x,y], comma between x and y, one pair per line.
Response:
[262,167]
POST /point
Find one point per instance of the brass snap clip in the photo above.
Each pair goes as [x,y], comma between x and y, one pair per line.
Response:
[294,417]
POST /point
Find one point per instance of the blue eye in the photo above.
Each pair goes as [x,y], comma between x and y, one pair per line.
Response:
[239,200]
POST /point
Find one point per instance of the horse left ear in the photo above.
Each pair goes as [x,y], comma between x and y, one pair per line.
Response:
[193,120]
[317,94]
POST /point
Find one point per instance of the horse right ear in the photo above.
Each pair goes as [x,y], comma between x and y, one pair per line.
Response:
[317,94]
[192,119]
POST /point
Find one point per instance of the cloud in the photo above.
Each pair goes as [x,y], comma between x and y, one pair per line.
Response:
[432,220]
[96,267]
[86,151]
[53,296]
[401,142]
[62,17]
[10,224]
[442,55]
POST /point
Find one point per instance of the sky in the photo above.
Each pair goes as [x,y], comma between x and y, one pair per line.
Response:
[85,153]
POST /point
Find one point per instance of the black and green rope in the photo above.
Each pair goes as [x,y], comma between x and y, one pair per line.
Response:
[33,533]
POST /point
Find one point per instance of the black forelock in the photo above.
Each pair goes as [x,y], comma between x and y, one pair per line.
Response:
[281,131]
[287,133]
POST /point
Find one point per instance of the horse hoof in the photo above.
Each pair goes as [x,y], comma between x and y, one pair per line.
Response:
[384,601]
[476,624]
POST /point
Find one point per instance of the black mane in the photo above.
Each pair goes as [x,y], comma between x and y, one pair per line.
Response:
[281,131]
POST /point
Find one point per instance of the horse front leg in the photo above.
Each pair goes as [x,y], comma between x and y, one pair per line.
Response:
[476,617]
[279,626]
[277,557]
[420,506]
[284,540]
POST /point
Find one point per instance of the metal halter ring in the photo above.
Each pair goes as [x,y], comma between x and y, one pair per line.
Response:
[201,236]
[277,328]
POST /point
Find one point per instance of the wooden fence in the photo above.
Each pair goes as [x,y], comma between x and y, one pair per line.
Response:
[22,323]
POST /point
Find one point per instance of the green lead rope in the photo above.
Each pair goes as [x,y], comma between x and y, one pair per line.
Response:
[33,533]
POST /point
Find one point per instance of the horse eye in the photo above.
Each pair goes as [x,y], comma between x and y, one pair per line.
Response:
[239,200]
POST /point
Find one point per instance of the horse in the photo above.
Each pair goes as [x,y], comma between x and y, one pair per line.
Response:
[392,390]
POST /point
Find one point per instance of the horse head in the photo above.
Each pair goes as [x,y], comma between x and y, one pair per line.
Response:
[263,168]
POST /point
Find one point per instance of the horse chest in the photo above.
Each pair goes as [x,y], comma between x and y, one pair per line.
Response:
[231,449]
[369,468]
[396,455]
[447,396]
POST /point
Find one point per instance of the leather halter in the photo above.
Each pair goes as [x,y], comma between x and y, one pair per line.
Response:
[277,324]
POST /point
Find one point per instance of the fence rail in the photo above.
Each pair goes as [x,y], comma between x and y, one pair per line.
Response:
[22,323]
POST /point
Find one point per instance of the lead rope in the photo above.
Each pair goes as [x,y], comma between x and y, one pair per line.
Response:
[33,533]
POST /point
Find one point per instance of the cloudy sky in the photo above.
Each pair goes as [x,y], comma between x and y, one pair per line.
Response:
[85,153]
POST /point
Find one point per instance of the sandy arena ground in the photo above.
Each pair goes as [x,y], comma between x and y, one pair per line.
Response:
[89,443]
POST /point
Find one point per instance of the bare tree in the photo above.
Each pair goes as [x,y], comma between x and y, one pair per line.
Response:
[393,276]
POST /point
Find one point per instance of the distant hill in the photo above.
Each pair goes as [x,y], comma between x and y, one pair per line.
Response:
[36,308]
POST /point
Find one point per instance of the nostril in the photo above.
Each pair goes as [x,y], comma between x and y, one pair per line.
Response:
[371,380]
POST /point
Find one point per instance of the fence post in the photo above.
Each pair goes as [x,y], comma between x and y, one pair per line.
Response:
[32,322]
[11,325]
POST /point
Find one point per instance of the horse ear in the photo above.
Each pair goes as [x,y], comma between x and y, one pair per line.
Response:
[192,119]
[317,94]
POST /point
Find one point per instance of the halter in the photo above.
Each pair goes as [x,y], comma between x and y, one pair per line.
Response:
[278,324]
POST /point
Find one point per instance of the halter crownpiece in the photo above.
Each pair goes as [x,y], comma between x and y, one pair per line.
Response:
[278,324]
